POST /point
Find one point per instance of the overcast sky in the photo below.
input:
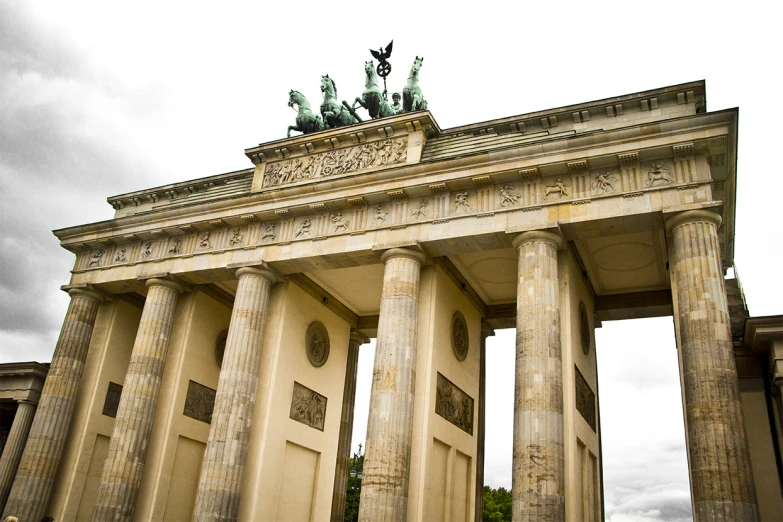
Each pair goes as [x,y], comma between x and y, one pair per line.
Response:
[101,98]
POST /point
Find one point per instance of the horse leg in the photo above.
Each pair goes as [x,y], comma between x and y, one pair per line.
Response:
[293,127]
[360,102]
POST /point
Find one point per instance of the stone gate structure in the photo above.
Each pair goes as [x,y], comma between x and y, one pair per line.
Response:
[206,366]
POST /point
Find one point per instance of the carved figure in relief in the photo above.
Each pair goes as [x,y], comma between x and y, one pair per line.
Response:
[383,152]
[306,121]
[176,246]
[400,153]
[121,256]
[147,250]
[657,173]
[412,97]
[339,224]
[558,188]
[605,181]
[203,241]
[304,228]
[461,202]
[308,407]
[269,231]
[423,209]
[508,198]
[380,215]
[96,258]
[237,238]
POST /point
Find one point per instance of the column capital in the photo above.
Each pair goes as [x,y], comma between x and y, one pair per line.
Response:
[157,281]
[358,338]
[486,330]
[394,253]
[692,216]
[258,271]
[86,290]
[551,236]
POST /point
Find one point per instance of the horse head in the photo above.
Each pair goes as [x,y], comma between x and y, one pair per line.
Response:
[417,64]
[369,68]
[328,86]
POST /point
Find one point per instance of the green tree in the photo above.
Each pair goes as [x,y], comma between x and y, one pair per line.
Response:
[354,487]
[497,505]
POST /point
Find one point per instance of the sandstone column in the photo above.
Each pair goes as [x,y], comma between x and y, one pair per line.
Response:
[14,446]
[486,331]
[538,473]
[119,486]
[224,458]
[29,495]
[389,428]
[346,427]
[723,487]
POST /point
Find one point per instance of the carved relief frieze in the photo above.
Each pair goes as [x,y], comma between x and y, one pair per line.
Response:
[121,255]
[453,404]
[422,210]
[585,399]
[303,230]
[556,190]
[308,407]
[268,231]
[146,250]
[175,246]
[338,161]
[461,203]
[199,402]
[508,197]
[380,215]
[658,174]
[606,180]
[237,238]
[460,340]
[339,224]
[96,257]
[204,242]
[112,400]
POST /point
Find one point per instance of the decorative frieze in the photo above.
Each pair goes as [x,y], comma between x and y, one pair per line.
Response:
[338,161]
[317,344]
[454,405]
[199,402]
[308,407]
[585,399]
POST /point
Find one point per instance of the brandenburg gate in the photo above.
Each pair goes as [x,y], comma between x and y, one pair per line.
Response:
[207,362]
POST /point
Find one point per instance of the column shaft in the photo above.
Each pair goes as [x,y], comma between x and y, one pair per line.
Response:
[723,487]
[14,446]
[384,494]
[121,476]
[29,496]
[538,473]
[226,452]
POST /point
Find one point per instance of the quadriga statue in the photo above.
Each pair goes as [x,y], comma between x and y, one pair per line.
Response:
[412,98]
[372,98]
[333,112]
[306,120]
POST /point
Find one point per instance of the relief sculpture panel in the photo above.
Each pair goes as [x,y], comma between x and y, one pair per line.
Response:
[585,399]
[199,402]
[340,161]
[454,405]
[308,407]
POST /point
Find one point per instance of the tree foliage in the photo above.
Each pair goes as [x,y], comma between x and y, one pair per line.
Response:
[354,487]
[497,505]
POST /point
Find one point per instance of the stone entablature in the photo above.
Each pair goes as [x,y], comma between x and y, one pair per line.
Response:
[22,381]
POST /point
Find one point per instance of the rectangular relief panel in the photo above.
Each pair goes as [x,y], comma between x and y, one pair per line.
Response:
[112,400]
[454,405]
[308,407]
[199,402]
[298,485]
[91,483]
[585,399]
[438,486]
[181,498]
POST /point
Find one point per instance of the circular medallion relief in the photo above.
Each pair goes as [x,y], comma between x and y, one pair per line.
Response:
[220,347]
[317,344]
[459,336]
[584,328]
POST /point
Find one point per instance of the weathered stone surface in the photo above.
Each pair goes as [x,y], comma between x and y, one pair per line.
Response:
[722,481]
[389,429]
[121,476]
[41,458]
[538,472]
[226,453]
[13,448]
[346,427]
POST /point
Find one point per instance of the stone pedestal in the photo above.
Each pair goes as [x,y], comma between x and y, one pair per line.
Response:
[722,481]
[37,469]
[226,452]
[389,429]
[119,486]
[346,427]
[538,473]
[486,331]
[14,446]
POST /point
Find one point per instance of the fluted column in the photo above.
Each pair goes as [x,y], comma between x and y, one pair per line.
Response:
[32,487]
[538,474]
[723,487]
[346,427]
[389,428]
[226,452]
[14,446]
[486,331]
[121,476]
